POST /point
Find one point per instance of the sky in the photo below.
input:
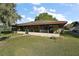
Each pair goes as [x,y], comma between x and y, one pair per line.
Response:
[62,11]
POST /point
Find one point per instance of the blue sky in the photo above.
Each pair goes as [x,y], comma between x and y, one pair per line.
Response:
[62,11]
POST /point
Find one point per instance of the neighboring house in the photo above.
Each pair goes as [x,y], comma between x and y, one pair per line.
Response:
[75,29]
[40,26]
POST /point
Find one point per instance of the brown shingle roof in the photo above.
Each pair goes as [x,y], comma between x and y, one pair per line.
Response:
[42,23]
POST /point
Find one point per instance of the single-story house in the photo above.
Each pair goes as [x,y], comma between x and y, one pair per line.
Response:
[40,26]
[75,30]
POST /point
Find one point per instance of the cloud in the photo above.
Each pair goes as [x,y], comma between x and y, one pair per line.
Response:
[25,19]
[77,4]
[36,3]
[30,19]
[39,9]
[59,16]
[70,4]
[67,4]
[23,16]
[52,10]
[74,20]
[42,9]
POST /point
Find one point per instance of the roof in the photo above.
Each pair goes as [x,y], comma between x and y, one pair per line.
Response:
[42,23]
[75,28]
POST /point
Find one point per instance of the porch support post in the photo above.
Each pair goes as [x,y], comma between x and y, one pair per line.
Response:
[48,30]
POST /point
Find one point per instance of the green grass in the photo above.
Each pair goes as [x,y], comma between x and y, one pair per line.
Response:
[39,46]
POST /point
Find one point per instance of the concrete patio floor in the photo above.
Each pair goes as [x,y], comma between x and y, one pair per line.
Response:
[40,34]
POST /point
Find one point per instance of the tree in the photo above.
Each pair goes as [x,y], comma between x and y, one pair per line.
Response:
[8,14]
[45,17]
[75,24]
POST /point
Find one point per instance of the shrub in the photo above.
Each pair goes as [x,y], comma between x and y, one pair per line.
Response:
[6,32]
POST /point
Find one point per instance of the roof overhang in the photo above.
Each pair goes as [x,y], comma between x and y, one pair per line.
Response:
[42,23]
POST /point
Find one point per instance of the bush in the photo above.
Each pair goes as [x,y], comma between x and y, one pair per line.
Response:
[7,32]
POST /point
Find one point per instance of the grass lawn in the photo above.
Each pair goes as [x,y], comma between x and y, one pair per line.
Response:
[39,46]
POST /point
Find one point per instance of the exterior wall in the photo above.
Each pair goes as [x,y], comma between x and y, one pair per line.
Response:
[43,28]
[40,28]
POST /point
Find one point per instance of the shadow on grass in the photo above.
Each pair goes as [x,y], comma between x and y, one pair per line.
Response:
[4,38]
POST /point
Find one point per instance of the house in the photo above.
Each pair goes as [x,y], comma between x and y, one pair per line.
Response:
[40,26]
[75,30]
